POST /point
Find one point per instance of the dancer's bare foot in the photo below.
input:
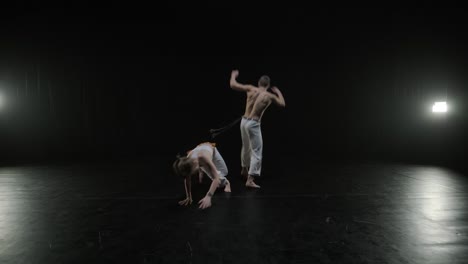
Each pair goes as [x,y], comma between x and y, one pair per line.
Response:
[250,183]
[227,187]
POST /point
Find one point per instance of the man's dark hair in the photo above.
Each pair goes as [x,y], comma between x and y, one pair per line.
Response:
[264,81]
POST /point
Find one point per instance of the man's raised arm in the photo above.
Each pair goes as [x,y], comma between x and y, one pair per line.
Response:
[238,86]
[278,97]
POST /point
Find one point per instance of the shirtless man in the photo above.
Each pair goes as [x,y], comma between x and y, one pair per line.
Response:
[204,159]
[258,100]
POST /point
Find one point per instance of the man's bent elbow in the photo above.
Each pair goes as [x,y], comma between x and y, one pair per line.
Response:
[232,85]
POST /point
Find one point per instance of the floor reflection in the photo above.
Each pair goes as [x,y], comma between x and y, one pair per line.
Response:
[13,210]
[435,202]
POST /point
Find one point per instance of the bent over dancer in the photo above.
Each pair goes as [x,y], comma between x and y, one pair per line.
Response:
[203,159]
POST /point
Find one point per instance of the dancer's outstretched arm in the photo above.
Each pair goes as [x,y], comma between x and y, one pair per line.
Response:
[208,164]
[188,191]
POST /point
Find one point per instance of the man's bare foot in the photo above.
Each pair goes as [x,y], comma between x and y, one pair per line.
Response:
[227,187]
[251,184]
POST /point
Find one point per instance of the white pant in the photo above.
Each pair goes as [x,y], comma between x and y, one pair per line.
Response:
[220,165]
[252,146]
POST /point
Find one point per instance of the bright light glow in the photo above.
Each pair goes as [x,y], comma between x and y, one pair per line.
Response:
[439,107]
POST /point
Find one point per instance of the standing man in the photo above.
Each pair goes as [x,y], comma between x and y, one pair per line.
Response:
[258,100]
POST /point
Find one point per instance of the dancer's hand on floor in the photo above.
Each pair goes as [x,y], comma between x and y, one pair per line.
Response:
[186,201]
[205,202]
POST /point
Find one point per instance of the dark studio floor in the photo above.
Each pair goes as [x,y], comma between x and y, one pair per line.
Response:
[127,212]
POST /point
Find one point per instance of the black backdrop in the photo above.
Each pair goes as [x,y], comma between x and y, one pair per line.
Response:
[121,81]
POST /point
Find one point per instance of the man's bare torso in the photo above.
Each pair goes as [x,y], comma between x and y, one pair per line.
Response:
[257,102]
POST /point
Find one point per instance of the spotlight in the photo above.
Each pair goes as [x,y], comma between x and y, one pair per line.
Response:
[439,107]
